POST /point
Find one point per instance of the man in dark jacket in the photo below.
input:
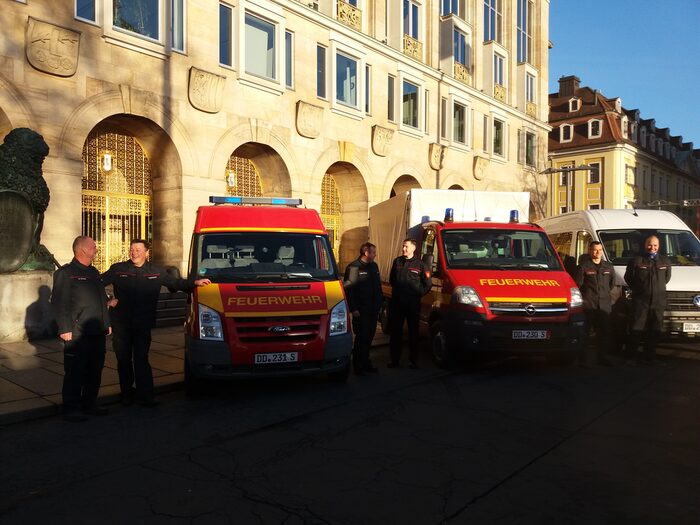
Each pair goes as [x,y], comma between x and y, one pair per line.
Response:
[596,278]
[137,284]
[80,307]
[410,280]
[364,291]
[647,276]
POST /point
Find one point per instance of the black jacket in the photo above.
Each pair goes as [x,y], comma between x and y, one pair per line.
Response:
[647,280]
[137,288]
[409,278]
[364,292]
[596,281]
[79,301]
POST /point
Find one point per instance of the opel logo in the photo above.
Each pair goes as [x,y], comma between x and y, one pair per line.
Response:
[530,310]
[278,329]
[696,301]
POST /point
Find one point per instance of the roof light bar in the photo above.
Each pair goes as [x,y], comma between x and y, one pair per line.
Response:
[275,201]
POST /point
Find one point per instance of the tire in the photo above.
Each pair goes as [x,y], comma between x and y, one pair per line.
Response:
[193,385]
[443,355]
[341,376]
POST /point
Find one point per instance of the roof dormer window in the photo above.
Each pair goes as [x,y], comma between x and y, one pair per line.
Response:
[618,105]
[667,150]
[574,104]
[652,143]
[595,128]
[660,146]
[566,132]
[643,136]
[624,127]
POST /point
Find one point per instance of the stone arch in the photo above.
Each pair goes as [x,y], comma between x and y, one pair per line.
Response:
[270,167]
[403,184]
[15,112]
[407,173]
[455,187]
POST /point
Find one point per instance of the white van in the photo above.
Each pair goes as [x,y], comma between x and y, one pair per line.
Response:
[623,233]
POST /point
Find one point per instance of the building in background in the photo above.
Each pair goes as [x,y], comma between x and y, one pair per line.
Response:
[633,163]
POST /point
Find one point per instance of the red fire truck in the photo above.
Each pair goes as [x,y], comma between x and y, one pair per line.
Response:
[276,305]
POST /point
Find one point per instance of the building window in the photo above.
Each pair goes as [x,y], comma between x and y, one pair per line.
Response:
[529,88]
[391,102]
[368,89]
[594,173]
[346,80]
[409,108]
[624,127]
[498,69]
[320,72]
[225,35]
[260,47]
[530,149]
[564,177]
[459,123]
[289,59]
[177,24]
[524,30]
[574,104]
[426,109]
[138,16]
[485,133]
[410,19]
[450,7]
[492,20]
[566,132]
[594,206]
[461,49]
[499,137]
[85,10]
[594,128]
[443,118]
[562,210]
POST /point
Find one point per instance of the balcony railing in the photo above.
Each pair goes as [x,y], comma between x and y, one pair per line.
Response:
[531,109]
[412,47]
[349,15]
[499,92]
[461,73]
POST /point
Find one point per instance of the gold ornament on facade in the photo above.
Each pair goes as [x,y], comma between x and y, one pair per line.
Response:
[206,90]
[436,154]
[499,92]
[349,15]
[346,150]
[242,179]
[412,47]
[381,140]
[461,73]
[51,48]
[309,119]
[531,109]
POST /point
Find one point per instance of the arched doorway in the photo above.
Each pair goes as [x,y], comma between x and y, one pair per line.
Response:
[455,187]
[242,178]
[256,170]
[403,184]
[331,211]
[116,194]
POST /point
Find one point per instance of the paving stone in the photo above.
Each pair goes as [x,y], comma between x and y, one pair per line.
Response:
[39,380]
[25,362]
[25,408]
[25,348]
[57,357]
[164,362]
[10,391]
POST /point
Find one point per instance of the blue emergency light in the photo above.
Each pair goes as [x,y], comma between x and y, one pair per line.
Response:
[275,201]
[449,215]
[514,216]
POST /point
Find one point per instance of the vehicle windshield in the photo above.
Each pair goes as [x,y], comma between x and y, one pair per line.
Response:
[263,257]
[621,246]
[496,249]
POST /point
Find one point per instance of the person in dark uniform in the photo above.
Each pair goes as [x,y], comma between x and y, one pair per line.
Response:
[364,291]
[137,284]
[647,276]
[80,307]
[596,278]
[410,280]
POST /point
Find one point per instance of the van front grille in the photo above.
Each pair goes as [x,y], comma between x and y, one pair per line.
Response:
[682,301]
[282,330]
[523,309]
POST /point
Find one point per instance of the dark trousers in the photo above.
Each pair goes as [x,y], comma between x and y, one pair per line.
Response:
[131,342]
[83,359]
[598,322]
[404,309]
[646,327]
[364,328]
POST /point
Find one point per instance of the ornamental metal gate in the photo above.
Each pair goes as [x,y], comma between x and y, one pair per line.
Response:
[330,211]
[116,196]
[242,179]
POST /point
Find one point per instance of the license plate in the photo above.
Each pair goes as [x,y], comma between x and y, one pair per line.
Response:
[530,334]
[276,357]
[691,327]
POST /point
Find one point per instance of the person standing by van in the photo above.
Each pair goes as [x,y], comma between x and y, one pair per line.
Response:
[595,278]
[410,280]
[364,291]
[647,276]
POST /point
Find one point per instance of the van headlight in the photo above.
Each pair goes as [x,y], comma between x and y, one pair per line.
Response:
[466,295]
[576,298]
[339,319]
[210,324]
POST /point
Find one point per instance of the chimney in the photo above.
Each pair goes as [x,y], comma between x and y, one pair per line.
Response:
[568,85]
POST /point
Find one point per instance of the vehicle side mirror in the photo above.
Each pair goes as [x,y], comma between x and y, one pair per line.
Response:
[353,273]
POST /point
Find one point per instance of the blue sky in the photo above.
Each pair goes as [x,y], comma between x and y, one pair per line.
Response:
[647,52]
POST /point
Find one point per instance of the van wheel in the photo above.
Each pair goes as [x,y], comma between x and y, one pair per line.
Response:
[443,355]
[193,385]
[341,376]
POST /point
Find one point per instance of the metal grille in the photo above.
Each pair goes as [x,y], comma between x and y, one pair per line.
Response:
[330,211]
[116,196]
[242,179]
[520,309]
[257,329]
[676,301]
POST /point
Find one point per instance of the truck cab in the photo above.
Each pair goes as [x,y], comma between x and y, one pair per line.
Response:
[276,305]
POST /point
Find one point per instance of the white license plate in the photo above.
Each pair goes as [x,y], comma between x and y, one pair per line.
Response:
[530,334]
[276,357]
[691,327]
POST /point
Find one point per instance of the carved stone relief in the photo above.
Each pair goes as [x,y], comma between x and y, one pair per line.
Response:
[436,155]
[381,140]
[52,49]
[206,90]
[309,119]
[481,166]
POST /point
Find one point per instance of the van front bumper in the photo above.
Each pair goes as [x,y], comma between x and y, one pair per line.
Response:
[212,360]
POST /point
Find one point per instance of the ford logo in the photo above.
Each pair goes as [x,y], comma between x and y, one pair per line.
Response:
[278,329]
[696,301]
[530,310]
